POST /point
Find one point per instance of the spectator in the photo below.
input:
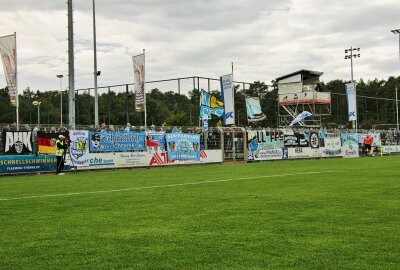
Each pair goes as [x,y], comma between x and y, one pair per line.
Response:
[128,127]
[367,143]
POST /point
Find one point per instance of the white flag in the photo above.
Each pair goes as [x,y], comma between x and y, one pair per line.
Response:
[9,58]
[300,118]
[351,101]
[228,99]
[138,71]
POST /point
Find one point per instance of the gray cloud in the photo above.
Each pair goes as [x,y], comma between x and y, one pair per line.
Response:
[264,39]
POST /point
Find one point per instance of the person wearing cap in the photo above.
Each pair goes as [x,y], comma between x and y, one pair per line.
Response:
[61,146]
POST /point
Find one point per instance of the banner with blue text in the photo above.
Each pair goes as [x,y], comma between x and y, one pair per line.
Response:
[116,141]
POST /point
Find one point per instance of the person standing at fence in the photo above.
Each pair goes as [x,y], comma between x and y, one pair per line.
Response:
[128,127]
[368,143]
[61,147]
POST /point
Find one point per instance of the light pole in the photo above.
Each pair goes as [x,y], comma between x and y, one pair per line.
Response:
[397,31]
[350,55]
[37,103]
[60,76]
[96,72]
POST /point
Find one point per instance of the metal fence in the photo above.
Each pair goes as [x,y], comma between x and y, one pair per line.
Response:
[209,140]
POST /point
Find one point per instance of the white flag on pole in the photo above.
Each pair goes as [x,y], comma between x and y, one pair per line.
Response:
[228,99]
[351,101]
[9,58]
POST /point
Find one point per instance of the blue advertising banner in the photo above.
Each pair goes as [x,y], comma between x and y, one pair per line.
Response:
[182,146]
[109,141]
[28,163]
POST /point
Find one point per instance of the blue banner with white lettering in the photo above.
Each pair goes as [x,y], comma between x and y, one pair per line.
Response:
[182,146]
[204,110]
[110,141]
[28,163]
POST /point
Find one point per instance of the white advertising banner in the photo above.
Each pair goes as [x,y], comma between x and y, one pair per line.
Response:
[333,145]
[143,159]
[350,145]
[301,152]
[351,101]
[102,161]
[131,159]
[228,99]
[388,149]
[264,145]
[305,97]
[79,148]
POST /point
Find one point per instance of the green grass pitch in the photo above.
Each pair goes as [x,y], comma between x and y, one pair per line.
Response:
[305,214]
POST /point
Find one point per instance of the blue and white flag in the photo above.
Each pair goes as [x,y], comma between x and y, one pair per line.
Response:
[204,123]
[228,99]
[300,118]
[351,101]
[204,110]
[204,98]
[253,107]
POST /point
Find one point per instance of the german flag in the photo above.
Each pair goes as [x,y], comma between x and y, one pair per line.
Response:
[47,142]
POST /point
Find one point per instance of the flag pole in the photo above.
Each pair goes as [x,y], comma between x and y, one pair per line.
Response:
[233,96]
[16,81]
[200,119]
[144,90]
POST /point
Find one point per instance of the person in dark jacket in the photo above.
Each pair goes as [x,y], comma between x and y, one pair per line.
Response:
[61,147]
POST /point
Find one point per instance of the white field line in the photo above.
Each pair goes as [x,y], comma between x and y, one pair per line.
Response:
[159,186]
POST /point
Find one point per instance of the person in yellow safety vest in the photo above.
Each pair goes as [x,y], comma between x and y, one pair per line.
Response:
[61,146]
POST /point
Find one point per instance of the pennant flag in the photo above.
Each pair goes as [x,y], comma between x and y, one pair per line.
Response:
[253,107]
[228,99]
[300,118]
[351,101]
[138,71]
[9,58]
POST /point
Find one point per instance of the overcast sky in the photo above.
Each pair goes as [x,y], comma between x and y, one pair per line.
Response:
[264,38]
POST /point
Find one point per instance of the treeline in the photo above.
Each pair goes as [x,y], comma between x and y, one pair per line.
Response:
[375,100]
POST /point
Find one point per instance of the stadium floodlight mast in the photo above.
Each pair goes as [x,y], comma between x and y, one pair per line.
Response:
[37,103]
[350,55]
[397,32]
[60,76]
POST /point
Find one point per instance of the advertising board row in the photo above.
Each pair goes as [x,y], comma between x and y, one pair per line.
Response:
[263,145]
[47,163]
